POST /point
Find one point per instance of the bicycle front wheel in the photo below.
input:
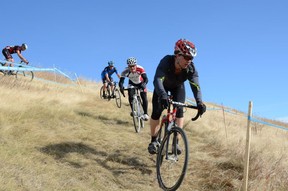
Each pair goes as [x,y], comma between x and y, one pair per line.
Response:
[117,98]
[25,75]
[172,159]
[102,92]
[136,117]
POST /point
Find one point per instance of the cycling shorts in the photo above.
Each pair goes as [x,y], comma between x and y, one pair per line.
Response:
[178,94]
[6,54]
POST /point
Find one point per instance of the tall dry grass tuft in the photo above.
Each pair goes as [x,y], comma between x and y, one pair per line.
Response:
[59,137]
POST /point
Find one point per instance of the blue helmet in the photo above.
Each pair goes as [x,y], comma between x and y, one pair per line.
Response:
[110,63]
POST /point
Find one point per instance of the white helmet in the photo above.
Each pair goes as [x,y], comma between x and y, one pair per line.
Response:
[131,61]
[24,46]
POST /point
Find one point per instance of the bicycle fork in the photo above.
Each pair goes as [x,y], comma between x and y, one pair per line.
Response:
[172,155]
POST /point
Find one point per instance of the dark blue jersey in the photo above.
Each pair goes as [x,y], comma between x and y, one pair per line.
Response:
[109,71]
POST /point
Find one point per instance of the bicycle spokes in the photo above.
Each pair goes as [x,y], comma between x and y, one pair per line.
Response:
[172,166]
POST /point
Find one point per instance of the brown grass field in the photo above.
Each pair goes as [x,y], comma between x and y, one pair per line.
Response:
[64,137]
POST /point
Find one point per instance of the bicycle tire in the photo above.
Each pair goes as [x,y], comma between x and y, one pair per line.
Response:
[136,118]
[101,92]
[117,97]
[29,75]
[171,167]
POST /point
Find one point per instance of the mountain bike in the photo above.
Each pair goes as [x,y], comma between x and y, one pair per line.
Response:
[111,93]
[137,109]
[20,74]
[171,161]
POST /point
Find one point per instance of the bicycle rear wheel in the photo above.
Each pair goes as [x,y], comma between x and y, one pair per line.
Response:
[136,117]
[25,75]
[171,165]
[117,97]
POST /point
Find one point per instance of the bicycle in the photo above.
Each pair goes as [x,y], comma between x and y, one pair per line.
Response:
[20,74]
[171,162]
[137,109]
[111,94]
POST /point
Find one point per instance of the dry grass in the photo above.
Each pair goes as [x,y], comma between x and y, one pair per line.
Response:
[55,137]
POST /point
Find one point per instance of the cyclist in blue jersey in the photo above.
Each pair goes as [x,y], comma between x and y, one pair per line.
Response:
[106,76]
[171,73]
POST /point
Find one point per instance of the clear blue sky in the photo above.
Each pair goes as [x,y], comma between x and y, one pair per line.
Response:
[242,45]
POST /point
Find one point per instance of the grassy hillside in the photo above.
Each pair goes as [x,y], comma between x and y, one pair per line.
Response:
[56,137]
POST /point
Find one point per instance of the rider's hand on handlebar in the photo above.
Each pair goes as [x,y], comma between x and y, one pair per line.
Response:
[143,86]
[201,108]
[164,103]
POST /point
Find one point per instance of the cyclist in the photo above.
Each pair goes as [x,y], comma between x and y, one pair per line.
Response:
[137,78]
[106,76]
[8,50]
[171,73]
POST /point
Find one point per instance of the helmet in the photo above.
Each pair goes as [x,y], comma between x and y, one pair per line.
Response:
[185,47]
[24,46]
[131,61]
[110,63]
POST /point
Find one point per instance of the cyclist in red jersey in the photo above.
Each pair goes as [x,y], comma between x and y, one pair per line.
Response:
[9,50]
[137,78]
[171,73]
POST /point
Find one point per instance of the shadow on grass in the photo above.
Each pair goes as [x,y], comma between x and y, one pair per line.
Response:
[102,118]
[61,150]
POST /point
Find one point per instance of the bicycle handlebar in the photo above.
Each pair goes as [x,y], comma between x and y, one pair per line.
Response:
[179,104]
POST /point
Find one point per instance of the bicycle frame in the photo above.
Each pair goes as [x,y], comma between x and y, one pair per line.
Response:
[20,74]
[137,110]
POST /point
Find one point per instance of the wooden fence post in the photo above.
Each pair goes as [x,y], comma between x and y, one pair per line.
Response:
[247,150]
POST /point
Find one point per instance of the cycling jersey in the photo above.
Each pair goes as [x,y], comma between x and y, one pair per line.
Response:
[135,77]
[165,78]
[109,71]
[8,50]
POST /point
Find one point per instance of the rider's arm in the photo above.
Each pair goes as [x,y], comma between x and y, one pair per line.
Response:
[159,77]
[121,82]
[194,83]
[145,78]
[21,57]
[107,77]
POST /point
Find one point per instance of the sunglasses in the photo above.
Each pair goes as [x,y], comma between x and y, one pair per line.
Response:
[132,66]
[187,58]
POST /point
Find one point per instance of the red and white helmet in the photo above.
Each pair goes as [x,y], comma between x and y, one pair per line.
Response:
[185,47]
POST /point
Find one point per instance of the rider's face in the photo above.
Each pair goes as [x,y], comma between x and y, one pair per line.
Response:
[132,68]
[184,61]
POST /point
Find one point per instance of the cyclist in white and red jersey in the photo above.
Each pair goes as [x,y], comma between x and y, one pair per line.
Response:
[170,75]
[137,78]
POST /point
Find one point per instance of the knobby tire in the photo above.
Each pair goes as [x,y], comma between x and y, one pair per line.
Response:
[171,172]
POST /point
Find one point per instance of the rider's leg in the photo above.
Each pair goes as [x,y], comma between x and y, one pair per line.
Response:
[104,89]
[180,122]
[145,105]
[130,97]
[144,101]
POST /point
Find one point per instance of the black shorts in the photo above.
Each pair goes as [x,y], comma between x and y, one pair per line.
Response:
[178,94]
[104,80]
[6,54]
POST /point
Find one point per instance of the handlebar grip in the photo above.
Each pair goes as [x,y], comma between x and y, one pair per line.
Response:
[196,117]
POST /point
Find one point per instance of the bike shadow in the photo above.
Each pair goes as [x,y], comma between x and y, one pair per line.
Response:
[61,151]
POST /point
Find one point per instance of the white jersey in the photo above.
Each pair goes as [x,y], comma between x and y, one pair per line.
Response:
[135,77]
